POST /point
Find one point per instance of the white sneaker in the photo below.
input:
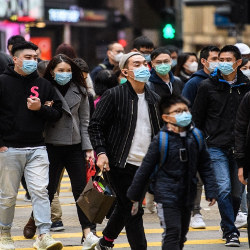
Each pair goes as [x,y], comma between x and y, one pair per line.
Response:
[6,243]
[223,237]
[90,242]
[47,243]
[241,220]
[150,204]
[197,222]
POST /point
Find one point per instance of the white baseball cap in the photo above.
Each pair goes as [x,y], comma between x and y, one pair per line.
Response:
[244,49]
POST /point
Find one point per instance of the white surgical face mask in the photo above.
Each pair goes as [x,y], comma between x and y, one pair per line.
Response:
[193,67]
[118,57]
[212,66]
[246,72]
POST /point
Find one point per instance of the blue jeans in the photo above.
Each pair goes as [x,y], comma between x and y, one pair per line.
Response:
[228,187]
[34,163]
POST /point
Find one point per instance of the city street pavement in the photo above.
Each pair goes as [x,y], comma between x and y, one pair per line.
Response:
[203,239]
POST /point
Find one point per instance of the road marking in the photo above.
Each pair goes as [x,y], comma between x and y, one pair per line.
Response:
[155,244]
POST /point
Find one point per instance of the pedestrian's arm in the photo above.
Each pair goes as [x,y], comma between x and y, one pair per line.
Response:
[199,109]
[54,112]
[207,174]
[142,176]
[100,121]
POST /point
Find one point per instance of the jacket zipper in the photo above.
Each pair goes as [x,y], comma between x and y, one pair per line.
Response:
[158,120]
[230,90]
[128,131]
[238,91]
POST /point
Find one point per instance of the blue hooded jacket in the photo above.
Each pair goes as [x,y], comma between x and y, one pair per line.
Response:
[192,85]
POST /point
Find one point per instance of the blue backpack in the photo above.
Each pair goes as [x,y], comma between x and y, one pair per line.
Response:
[163,148]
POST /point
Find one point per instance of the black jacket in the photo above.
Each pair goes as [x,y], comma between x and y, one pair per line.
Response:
[215,107]
[160,87]
[175,181]
[19,126]
[242,135]
[5,60]
[113,123]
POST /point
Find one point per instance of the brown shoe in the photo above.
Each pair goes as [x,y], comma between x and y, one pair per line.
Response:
[30,229]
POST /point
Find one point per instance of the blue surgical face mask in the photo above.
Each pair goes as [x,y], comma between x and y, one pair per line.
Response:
[123,80]
[141,74]
[163,68]
[183,119]
[62,78]
[212,66]
[29,66]
[226,68]
[147,57]
[174,62]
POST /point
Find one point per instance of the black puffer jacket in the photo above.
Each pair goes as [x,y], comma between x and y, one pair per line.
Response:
[242,135]
[175,181]
[215,107]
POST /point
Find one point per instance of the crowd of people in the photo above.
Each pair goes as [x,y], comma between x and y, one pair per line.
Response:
[160,122]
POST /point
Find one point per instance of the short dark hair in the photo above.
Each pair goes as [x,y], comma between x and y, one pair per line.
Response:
[205,53]
[172,48]
[244,61]
[233,49]
[81,64]
[158,51]
[143,41]
[168,100]
[22,46]
[15,39]
[67,50]
[105,79]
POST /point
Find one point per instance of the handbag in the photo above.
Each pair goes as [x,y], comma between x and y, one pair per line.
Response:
[97,198]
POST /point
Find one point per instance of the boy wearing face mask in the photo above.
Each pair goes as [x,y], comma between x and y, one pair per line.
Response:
[24,112]
[121,128]
[214,112]
[162,80]
[175,179]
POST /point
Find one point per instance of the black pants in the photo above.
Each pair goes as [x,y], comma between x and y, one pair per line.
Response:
[248,206]
[121,179]
[177,224]
[72,158]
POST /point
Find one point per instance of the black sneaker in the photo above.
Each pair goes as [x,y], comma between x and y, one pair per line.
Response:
[101,247]
[232,240]
[57,226]
[27,197]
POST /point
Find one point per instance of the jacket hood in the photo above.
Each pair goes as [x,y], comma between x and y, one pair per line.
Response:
[242,80]
[156,79]
[11,72]
[200,73]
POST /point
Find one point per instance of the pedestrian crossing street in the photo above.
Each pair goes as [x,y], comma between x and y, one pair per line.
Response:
[206,238]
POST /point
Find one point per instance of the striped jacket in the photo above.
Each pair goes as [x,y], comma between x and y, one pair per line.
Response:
[113,123]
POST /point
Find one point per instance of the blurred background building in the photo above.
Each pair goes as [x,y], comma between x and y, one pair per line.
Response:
[89,25]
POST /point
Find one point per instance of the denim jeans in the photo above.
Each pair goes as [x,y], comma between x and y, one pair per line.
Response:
[228,187]
[33,162]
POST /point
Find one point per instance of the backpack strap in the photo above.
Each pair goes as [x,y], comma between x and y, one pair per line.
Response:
[103,65]
[163,146]
[199,137]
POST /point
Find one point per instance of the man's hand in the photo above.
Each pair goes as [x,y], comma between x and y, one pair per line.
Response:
[103,162]
[241,176]
[212,202]
[3,149]
[34,104]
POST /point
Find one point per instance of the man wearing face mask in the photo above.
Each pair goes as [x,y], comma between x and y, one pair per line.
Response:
[23,115]
[114,54]
[208,63]
[122,126]
[214,112]
[162,80]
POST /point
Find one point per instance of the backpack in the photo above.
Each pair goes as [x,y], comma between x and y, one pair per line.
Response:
[163,148]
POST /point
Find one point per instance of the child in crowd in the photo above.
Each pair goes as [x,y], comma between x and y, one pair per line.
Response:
[179,150]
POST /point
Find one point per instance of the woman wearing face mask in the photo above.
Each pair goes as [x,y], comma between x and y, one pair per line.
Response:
[162,80]
[245,67]
[67,140]
[187,64]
